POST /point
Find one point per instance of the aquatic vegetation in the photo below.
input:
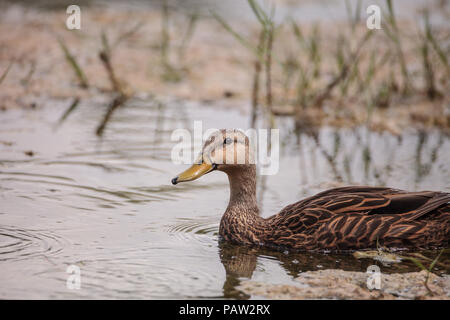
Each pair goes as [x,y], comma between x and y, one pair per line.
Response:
[5,73]
[392,31]
[427,43]
[428,270]
[365,70]
[105,56]
[262,54]
[190,29]
[74,64]
[171,71]
[122,93]
[386,257]
[69,110]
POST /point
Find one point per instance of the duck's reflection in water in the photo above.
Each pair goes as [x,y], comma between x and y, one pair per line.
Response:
[240,263]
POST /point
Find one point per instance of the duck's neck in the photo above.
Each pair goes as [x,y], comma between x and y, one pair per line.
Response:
[241,221]
[243,187]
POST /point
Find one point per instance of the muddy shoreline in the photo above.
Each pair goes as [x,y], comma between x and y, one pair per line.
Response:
[338,284]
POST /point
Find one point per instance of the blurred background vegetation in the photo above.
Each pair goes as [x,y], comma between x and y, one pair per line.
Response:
[315,61]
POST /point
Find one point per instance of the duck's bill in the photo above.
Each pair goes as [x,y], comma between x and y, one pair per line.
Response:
[194,172]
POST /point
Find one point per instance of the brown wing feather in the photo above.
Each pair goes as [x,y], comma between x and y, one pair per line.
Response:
[358,217]
[373,200]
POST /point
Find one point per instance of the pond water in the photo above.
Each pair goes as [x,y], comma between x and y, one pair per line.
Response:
[107,205]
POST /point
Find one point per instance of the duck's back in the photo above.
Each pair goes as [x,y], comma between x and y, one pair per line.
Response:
[350,218]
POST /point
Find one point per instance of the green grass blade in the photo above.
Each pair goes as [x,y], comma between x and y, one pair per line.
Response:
[5,73]
[236,35]
[435,260]
[259,13]
[73,63]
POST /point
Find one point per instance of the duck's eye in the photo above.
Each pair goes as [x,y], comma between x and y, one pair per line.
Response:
[227,141]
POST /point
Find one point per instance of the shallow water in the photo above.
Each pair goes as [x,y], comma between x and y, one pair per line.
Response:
[107,205]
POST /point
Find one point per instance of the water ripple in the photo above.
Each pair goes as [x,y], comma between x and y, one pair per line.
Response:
[202,230]
[19,244]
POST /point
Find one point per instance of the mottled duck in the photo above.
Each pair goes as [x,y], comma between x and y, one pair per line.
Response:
[339,219]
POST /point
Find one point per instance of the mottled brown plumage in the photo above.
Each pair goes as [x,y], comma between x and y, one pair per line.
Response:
[347,218]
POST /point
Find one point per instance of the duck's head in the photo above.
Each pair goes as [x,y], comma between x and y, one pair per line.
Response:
[224,150]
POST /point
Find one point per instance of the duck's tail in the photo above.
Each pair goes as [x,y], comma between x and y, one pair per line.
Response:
[438,205]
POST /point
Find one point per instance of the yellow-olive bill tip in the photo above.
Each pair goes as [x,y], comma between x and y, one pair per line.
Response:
[194,172]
